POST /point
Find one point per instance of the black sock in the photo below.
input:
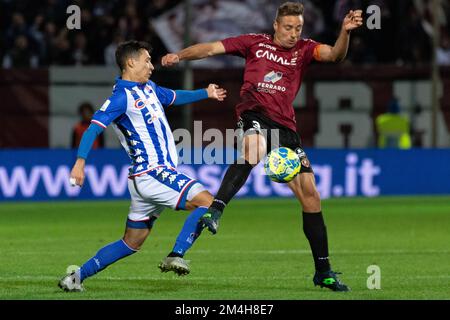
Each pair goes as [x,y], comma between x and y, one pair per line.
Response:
[175,254]
[232,182]
[316,233]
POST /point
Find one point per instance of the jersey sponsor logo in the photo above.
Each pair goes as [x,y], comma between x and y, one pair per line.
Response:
[152,117]
[139,104]
[267,46]
[272,57]
[273,76]
[268,86]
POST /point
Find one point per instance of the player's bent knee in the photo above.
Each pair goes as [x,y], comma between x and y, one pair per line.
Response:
[133,244]
[135,238]
[202,199]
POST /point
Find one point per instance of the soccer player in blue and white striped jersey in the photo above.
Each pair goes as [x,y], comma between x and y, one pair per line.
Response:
[136,110]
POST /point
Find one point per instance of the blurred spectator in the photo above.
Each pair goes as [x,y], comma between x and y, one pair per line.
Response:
[443,52]
[20,56]
[314,24]
[86,111]
[342,7]
[80,55]
[156,7]
[404,37]
[62,50]
[414,43]
[110,50]
[17,28]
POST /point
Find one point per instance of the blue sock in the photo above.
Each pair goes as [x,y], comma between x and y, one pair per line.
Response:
[190,232]
[104,257]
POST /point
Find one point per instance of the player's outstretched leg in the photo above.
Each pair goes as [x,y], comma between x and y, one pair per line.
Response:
[253,150]
[232,182]
[315,231]
[106,256]
[191,230]
[199,201]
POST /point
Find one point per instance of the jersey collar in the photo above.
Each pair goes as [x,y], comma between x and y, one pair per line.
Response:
[127,84]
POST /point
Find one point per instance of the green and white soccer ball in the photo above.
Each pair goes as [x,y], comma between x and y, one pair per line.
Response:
[282,165]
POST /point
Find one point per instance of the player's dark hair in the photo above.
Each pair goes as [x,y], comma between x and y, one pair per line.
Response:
[128,49]
[289,9]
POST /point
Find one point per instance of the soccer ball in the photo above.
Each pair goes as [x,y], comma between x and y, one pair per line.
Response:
[282,165]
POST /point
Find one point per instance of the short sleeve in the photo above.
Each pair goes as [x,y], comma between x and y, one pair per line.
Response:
[114,107]
[239,45]
[311,48]
[165,96]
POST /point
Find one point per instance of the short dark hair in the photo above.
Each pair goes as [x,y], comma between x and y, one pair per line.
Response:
[85,106]
[130,48]
[289,9]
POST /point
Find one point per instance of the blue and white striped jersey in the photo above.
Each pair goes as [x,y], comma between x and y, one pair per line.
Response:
[136,112]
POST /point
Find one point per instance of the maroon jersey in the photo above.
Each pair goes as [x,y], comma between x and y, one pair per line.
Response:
[272,76]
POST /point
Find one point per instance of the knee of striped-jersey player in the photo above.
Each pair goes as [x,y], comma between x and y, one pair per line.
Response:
[134,238]
[202,199]
[137,231]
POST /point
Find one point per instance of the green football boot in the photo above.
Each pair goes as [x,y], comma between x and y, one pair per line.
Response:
[329,280]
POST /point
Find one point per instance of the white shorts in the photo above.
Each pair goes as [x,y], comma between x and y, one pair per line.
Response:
[158,189]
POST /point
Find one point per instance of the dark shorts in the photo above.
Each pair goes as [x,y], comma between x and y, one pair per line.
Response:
[276,135]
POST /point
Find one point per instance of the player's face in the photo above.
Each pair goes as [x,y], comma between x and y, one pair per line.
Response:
[143,66]
[288,30]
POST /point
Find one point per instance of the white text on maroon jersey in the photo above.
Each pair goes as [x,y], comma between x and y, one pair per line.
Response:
[272,57]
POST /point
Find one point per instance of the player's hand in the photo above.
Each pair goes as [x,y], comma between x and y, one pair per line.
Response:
[77,173]
[215,92]
[353,20]
[170,59]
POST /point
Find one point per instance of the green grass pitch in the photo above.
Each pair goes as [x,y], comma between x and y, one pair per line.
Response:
[260,251]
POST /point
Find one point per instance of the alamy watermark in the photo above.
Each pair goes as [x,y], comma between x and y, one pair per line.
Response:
[373,21]
[374,280]
[74,20]
[212,146]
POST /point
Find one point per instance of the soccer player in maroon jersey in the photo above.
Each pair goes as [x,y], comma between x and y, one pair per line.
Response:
[274,69]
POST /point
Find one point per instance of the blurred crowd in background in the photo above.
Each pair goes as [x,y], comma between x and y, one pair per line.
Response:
[34,34]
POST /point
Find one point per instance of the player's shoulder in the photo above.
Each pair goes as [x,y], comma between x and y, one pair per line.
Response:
[259,37]
[118,96]
[256,37]
[152,84]
[305,42]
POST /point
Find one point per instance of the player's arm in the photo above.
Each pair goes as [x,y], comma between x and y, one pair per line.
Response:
[110,110]
[195,52]
[89,136]
[338,52]
[189,96]
[86,143]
